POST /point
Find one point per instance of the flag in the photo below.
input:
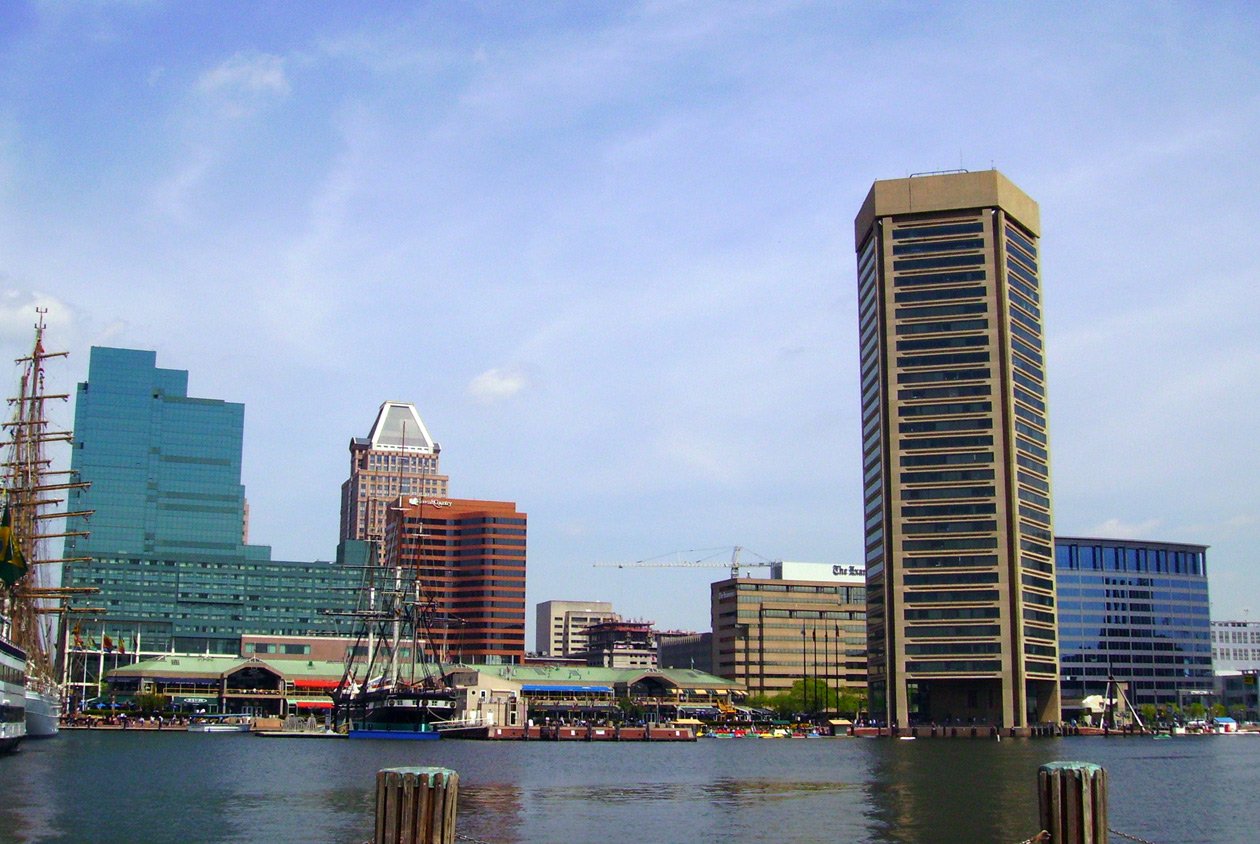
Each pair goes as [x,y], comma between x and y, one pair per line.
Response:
[122,645]
[109,644]
[12,562]
[78,638]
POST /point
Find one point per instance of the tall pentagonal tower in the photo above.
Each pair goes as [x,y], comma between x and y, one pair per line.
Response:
[961,620]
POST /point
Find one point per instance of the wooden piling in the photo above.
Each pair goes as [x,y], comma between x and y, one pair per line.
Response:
[416,806]
[1073,802]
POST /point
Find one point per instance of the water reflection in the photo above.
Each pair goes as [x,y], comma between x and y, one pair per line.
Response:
[723,791]
[490,812]
[176,787]
[955,790]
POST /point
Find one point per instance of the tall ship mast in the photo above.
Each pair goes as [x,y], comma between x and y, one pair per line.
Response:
[32,601]
[389,688]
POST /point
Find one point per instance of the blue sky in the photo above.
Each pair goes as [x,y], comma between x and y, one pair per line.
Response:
[607,249]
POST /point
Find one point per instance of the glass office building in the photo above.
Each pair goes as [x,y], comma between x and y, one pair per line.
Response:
[166,545]
[1136,611]
[165,468]
[182,604]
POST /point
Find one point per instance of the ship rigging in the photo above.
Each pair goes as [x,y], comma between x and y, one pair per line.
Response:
[30,590]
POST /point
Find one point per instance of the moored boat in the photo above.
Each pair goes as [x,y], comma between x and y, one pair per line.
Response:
[389,689]
[220,724]
[12,695]
[43,712]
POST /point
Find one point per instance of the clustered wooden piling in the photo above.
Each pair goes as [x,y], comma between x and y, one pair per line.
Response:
[416,806]
[1073,801]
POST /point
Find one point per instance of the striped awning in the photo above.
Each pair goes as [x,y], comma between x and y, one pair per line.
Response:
[579,689]
[310,703]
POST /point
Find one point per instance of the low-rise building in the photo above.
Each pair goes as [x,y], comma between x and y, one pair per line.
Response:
[560,626]
[1235,646]
[806,620]
[620,644]
[677,649]
[489,694]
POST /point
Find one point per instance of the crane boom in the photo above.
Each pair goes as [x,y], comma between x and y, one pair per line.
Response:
[735,564]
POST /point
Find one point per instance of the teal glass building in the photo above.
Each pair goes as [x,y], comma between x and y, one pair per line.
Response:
[165,468]
[166,545]
[1137,611]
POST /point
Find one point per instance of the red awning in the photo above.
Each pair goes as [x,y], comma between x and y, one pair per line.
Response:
[316,684]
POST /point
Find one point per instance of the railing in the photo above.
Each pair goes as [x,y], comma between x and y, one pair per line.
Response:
[473,719]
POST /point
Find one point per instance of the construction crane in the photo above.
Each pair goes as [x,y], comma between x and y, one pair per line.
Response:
[706,562]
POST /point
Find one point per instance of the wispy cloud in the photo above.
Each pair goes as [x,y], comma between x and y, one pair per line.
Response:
[496,385]
[246,75]
[224,95]
[1118,529]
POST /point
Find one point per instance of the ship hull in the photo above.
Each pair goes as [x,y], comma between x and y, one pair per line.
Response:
[43,714]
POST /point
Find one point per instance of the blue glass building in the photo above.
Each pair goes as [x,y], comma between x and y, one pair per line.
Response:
[165,468]
[1137,611]
[166,547]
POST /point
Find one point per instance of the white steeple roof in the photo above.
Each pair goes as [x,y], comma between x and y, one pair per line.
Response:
[398,427]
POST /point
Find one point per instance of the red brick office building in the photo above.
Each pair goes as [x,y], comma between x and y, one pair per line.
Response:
[469,559]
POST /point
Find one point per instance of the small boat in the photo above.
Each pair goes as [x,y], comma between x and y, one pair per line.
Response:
[295,726]
[12,695]
[220,724]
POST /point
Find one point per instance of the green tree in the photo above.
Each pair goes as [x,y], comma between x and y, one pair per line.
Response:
[1148,712]
[812,696]
[630,711]
[150,703]
[1197,711]
[1218,710]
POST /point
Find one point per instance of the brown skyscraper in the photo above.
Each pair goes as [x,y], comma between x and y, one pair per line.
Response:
[468,559]
[961,617]
[397,458]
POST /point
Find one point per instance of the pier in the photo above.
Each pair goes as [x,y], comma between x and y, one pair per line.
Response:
[651,732]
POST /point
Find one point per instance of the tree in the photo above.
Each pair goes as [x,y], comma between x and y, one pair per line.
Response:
[630,711]
[1196,711]
[1149,712]
[150,703]
[812,696]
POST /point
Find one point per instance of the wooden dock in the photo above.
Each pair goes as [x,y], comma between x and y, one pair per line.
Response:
[582,733]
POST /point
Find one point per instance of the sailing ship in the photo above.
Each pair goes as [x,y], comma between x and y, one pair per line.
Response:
[389,688]
[31,599]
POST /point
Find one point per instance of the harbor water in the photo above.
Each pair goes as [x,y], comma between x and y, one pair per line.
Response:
[97,786]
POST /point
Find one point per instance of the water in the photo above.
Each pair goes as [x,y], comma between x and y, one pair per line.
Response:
[173,786]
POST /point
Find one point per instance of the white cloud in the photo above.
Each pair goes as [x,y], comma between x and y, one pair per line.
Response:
[495,385]
[245,73]
[1115,528]
[18,316]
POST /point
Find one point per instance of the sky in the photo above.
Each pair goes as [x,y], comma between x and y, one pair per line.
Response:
[607,250]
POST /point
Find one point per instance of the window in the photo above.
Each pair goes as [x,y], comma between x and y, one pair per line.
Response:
[939,230]
[958,245]
[933,263]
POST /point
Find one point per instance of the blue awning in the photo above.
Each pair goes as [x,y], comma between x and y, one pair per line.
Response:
[528,687]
